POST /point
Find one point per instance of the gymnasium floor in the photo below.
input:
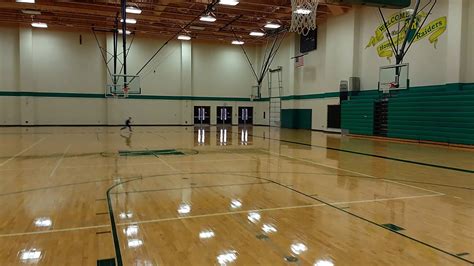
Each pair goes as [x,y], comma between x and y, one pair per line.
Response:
[255,196]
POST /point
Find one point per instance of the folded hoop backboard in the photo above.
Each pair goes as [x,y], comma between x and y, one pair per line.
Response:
[121,86]
[303,17]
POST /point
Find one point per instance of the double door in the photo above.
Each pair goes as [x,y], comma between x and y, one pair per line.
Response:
[224,115]
[245,115]
[202,115]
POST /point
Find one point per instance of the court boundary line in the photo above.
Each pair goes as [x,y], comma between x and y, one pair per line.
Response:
[214,214]
[60,161]
[371,155]
[55,231]
[150,176]
[117,245]
[192,187]
[23,151]
[118,253]
[354,172]
[274,209]
[372,222]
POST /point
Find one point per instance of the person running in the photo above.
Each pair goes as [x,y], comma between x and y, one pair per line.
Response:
[128,123]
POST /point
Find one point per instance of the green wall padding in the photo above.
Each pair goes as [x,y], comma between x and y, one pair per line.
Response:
[296,118]
[441,113]
[357,114]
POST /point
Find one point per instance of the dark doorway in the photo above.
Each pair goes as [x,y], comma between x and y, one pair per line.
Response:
[245,115]
[202,115]
[334,116]
[224,115]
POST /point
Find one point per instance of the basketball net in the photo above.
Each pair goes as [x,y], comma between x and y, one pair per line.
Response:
[303,16]
[125,91]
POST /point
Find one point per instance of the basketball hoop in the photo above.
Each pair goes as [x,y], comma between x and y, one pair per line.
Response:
[125,91]
[303,17]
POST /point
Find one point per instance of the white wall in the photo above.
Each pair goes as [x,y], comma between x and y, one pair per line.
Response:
[221,70]
[9,52]
[62,64]
[469,44]
[39,61]
[52,61]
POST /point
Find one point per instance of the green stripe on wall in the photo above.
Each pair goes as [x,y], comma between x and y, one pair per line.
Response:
[162,97]
[102,96]
[450,86]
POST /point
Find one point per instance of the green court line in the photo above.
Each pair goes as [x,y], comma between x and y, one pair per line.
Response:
[117,244]
[369,221]
[373,155]
[150,152]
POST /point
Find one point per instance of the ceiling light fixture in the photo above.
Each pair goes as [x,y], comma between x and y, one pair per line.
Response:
[129,21]
[270,25]
[133,10]
[257,33]
[30,12]
[127,32]
[229,2]
[184,37]
[39,25]
[302,11]
[237,42]
[209,17]
[26,1]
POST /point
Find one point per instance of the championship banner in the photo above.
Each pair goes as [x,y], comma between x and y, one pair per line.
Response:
[432,31]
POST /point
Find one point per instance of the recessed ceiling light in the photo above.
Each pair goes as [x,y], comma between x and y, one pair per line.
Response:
[39,25]
[184,37]
[26,1]
[197,28]
[229,2]
[270,25]
[30,12]
[302,11]
[238,42]
[133,10]
[129,21]
[120,31]
[208,18]
[257,33]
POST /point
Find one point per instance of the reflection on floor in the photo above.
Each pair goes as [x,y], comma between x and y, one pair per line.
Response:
[230,195]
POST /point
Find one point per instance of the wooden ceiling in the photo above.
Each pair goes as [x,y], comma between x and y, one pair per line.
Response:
[162,18]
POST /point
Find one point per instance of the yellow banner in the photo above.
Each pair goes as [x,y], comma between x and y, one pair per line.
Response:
[435,29]
[391,21]
[432,31]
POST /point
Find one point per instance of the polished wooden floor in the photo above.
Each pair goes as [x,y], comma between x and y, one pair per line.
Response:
[254,196]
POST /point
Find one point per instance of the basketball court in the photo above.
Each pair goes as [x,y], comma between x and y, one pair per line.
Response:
[234,179]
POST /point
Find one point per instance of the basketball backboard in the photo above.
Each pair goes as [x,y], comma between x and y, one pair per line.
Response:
[394,77]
